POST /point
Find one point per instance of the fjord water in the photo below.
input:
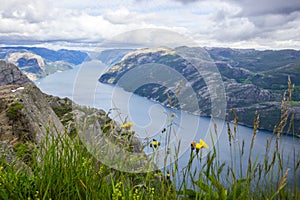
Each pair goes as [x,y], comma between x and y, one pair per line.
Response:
[150,118]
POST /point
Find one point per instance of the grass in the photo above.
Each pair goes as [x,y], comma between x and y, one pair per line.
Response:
[63,168]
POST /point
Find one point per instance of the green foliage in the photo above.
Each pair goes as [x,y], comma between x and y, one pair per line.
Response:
[16,184]
[63,169]
[24,151]
[62,109]
[13,112]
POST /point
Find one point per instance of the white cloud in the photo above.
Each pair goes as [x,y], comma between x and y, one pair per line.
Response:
[124,16]
[32,11]
[231,22]
[263,7]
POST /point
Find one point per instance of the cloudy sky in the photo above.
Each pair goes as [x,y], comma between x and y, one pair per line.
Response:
[261,24]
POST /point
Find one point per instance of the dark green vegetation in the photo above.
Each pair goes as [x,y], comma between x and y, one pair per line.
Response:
[254,81]
[13,112]
[267,69]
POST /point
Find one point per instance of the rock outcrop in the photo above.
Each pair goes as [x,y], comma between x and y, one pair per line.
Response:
[25,114]
[11,75]
[26,117]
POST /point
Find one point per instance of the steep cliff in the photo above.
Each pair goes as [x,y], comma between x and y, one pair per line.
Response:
[11,75]
[25,116]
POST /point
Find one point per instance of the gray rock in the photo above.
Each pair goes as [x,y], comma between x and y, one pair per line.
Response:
[11,75]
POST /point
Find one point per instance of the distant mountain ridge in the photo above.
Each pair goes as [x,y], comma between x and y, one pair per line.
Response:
[253,80]
[38,62]
[72,56]
[112,56]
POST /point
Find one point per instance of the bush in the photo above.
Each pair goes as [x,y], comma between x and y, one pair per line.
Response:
[13,112]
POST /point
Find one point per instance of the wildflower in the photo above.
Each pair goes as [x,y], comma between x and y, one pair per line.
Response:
[136,194]
[127,125]
[201,145]
[117,193]
[193,144]
[151,191]
[131,131]
[198,147]
[101,170]
[36,195]
[154,143]
[168,175]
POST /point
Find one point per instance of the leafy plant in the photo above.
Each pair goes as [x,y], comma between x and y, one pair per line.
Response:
[13,111]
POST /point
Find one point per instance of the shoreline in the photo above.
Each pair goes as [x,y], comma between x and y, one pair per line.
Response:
[271,132]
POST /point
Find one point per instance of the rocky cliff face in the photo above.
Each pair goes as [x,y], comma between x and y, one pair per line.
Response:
[24,110]
[25,114]
[11,75]
[248,88]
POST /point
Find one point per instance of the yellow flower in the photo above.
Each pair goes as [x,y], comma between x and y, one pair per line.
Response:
[168,175]
[154,143]
[131,131]
[203,144]
[127,125]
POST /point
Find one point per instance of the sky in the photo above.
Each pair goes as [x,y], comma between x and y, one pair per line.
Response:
[260,24]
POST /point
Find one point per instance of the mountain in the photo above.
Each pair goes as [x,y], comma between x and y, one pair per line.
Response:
[39,62]
[253,80]
[267,69]
[112,56]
